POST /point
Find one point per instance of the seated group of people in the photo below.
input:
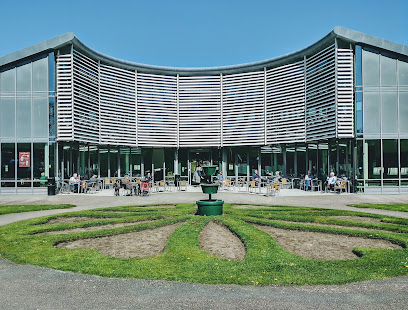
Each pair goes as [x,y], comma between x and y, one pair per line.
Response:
[329,184]
[75,182]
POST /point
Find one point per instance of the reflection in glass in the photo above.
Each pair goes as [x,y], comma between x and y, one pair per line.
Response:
[403,112]
[371,69]
[23,117]
[7,117]
[388,71]
[404,158]
[8,161]
[390,159]
[372,112]
[373,159]
[24,78]
[389,112]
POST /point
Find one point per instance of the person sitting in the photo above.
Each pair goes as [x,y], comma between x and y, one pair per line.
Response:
[127,184]
[74,182]
[43,179]
[277,176]
[308,180]
[220,177]
[93,179]
[331,181]
[255,176]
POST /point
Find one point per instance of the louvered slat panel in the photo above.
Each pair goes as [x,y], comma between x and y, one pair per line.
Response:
[64,98]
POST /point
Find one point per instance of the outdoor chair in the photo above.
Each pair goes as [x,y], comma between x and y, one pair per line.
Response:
[276,187]
[227,184]
[270,190]
[316,185]
[107,183]
[92,188]
[162,186]
[341,187]
[183,184]
[285,183]
[252,186]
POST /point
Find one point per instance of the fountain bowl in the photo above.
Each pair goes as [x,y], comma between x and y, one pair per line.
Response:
[210,207]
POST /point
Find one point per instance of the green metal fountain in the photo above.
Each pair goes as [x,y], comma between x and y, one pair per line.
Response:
[209,207]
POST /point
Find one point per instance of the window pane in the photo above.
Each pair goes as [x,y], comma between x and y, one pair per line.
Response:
[374,159]
[371,112]
[40,75]
[402,72]
[114,161]
[8,80]
[24,77]
[7,117]
[404,158]
[135,158]
[24,161]
[23,117]
[8,161]
[93,160]
[39,161]
[389,113]
[103,153]
[403,112]
[388,71]
[124,161]
[359,159]
[359,112]
[40,116]
[390,159]
[371,70]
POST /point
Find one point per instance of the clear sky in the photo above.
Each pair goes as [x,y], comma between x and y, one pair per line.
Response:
[194,33]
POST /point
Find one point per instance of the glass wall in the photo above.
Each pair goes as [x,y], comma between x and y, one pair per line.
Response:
[27,152]
[382,95]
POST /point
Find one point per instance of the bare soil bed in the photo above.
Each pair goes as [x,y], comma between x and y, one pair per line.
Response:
[322,246]
[134,209]
[70,220]
[218,240]
[92,228]
[143,243]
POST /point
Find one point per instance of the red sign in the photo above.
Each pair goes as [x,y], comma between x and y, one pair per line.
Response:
[24,159]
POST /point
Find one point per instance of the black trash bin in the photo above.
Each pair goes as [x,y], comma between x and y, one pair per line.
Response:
[51,186]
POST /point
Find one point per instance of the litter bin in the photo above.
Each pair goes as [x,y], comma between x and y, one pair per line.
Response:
[51,186]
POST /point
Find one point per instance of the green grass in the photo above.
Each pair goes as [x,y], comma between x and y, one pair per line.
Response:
[28,208]
[393,207]
[265,263]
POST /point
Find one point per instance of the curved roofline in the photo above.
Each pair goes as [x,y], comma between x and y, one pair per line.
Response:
[342,33]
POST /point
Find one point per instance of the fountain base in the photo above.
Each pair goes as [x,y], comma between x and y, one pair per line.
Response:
[209,207]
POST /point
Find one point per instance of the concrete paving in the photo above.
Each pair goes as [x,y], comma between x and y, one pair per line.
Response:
[31,287]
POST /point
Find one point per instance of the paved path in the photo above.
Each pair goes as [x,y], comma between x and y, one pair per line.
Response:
[31,287]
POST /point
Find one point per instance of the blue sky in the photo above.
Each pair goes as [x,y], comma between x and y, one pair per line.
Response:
[197,33]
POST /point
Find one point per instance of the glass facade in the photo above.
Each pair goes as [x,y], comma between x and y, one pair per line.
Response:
[375,156]
[26,103]
[381,105]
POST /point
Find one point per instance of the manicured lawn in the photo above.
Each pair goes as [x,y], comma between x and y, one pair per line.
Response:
[28,208]
[265,262]
[393,207]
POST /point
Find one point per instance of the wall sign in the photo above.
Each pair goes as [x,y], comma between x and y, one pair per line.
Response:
[24,159]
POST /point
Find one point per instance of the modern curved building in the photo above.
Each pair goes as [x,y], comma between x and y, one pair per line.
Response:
[338,105]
